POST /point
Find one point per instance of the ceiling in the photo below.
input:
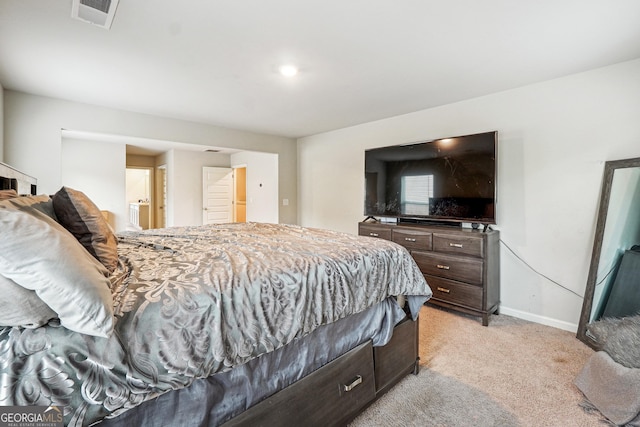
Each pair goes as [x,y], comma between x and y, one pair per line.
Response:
[217,62]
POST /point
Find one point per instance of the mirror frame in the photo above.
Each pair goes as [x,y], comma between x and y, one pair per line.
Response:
[609,169]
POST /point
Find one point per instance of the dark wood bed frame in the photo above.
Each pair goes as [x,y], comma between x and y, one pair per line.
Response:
[336,393]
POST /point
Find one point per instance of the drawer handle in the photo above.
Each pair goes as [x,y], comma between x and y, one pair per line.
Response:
[445,290]
[354,383]
[443,267]
[409,239]
[455,245]
[373,234]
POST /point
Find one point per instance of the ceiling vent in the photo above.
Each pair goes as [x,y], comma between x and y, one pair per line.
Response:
[96,12]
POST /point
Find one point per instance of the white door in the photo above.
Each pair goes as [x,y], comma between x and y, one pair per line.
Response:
[217,195]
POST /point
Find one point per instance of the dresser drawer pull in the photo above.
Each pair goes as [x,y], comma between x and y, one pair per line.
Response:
[409,239]
[354,383]
[443,267]
[455,245]
[373,234]
[445,290]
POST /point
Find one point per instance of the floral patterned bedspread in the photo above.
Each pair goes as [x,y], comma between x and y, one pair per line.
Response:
[193,301]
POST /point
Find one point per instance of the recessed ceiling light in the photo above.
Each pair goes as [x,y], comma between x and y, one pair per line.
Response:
[288,70]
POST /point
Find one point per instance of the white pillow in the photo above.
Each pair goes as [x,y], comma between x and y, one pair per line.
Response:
[37,253]
[22,307]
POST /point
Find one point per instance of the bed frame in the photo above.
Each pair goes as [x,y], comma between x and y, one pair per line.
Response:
[332,395]
[13,179]
[339,391]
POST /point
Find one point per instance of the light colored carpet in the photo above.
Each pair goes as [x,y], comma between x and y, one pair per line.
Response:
[511,373]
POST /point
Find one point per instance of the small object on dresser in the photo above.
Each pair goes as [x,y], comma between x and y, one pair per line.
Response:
[387,220]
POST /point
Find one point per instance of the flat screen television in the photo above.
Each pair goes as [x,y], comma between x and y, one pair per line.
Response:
[449,180]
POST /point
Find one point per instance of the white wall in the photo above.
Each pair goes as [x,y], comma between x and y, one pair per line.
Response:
[1,124]
[262,185]
[553,140]
[184,184]
[138,185]
[33,124]
[102,181]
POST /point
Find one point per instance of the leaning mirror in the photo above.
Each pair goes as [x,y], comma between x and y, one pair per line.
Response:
[613,283]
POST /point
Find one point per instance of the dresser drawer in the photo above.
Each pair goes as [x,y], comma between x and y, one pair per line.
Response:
[454,292]
[412,239]
[463,245]
[462,269]
[374,231]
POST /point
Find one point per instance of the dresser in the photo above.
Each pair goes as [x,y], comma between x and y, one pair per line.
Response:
[461,265]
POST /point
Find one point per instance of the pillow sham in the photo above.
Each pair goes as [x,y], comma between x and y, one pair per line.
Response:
[38,254]
[78,214]
[22,307]
[8,194]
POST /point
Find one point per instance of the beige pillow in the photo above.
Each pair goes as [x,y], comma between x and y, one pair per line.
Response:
[78,214]
[8,194]
[41,203]
[22,307]
[38,254]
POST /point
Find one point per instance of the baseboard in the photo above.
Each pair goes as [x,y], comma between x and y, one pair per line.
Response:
[566,326]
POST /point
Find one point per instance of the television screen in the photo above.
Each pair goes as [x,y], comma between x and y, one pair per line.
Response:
[449,179]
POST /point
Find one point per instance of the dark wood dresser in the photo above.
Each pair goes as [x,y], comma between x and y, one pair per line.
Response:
[461,265]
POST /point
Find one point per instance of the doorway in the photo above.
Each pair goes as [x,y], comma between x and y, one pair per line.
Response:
[139,197]
[224,195]
[217,195]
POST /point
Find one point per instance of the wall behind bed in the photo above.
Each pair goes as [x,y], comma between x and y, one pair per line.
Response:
[32,129]
[1,124]
[554,138]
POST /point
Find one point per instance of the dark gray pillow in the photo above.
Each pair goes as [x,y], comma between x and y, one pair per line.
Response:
[82,218]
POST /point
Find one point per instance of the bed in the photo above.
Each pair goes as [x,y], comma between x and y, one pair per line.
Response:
[233,324]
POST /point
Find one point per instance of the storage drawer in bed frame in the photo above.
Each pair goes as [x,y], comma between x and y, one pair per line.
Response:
[398,358]
[340,389]
[336,393]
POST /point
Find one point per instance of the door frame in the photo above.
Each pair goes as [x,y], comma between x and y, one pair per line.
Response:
[160,192]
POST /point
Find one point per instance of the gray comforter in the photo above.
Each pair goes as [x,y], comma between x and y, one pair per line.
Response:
[191,302]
